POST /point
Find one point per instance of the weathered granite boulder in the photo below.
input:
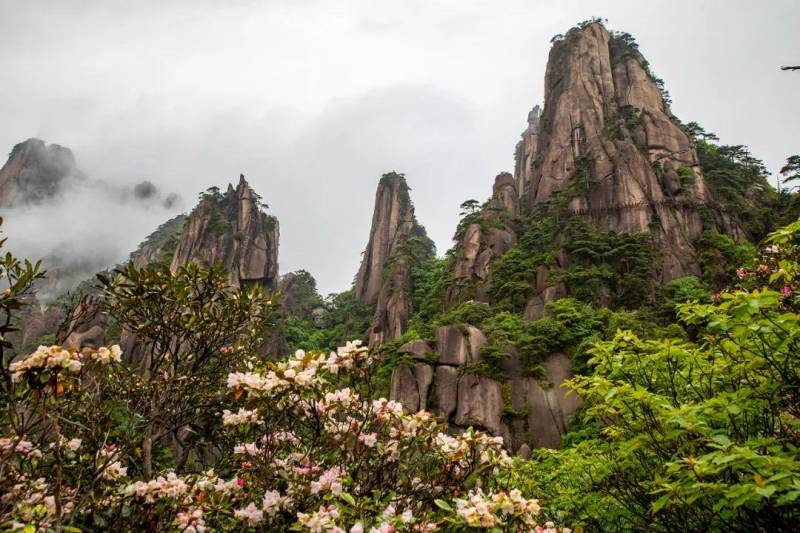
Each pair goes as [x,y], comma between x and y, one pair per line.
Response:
[538,409]
[418,349]
[404,388]
[524,451]
[423,374]
[410,386]
[87,327]
[459,345]
[445,391]
[550,402]
[480,404]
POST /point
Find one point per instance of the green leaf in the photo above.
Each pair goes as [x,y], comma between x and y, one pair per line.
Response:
[765,491]
[722,439]
[441,504]
[660,503]
[348,498]
[734,409]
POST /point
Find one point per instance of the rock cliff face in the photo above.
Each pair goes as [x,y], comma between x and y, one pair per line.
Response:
[605,147]
[87,325]
[393,221]
[396,242]
[483,237]
[159,246]
[525,411]
[607,143]
[527,148]
[35,172]
[232,229]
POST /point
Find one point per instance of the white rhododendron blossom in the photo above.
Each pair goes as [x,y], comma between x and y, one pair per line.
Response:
[56,358]
[114,471]
[308,449]
[488,510]
[243,416]
[250,514]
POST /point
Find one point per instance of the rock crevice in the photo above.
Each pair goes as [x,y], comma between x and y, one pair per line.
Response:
[524,410]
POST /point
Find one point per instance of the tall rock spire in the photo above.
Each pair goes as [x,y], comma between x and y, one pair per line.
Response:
[481,238]
[392,221]
[231,228]
[396,243]
[607,140]
[525,153]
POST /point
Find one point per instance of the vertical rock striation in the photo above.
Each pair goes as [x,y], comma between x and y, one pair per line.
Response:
[482,237]
[231,228]
[396,243]
[527,148]
[524,410]
[607,143]
[393,221]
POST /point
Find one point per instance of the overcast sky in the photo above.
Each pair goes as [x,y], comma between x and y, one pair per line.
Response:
[314,100]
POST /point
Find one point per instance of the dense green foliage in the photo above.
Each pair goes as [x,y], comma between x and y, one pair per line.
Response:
[341,317]
[190,326]
[604,267]
[693,435]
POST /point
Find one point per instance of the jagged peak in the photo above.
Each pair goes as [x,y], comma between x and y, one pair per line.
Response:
[35,172]
[394,179]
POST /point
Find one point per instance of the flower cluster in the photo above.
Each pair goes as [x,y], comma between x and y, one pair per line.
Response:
[56,358]
[169,486]
[349,439]
[19,445]
[487,511]
[775,268]
[244,416]
[312,452]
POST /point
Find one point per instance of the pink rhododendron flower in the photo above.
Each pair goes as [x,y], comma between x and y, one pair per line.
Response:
[250,514]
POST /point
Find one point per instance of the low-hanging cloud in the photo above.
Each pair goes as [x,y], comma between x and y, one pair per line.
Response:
[86,226]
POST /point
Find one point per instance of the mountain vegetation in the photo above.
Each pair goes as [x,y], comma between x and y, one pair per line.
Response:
[610,344]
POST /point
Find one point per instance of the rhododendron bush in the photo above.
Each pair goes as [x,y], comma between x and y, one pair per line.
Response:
[197,431]
[308,452]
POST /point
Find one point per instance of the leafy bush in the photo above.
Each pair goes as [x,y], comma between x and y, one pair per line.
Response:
[307,452]
[694,436]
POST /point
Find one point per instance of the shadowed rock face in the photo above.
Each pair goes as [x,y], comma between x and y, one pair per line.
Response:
[393,221]
[87,327]
[525,411]
[35,172]
[482,242]
[606,132]
[232,229]
[526,151]
[384,277]
[159,244]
